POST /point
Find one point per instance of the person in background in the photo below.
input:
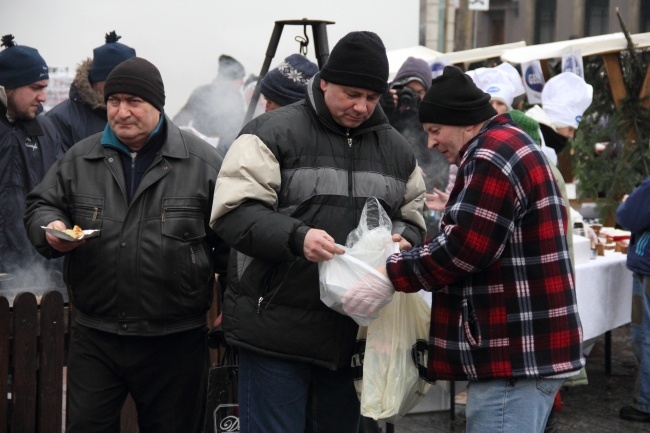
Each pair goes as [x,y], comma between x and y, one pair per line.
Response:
[141,289]
[28,143]
[515,78]
[216,110]
[493,276]
[634,214]
[293,184]
[496,83]
[84,112]
[408,87]
[287,82]
[565,98]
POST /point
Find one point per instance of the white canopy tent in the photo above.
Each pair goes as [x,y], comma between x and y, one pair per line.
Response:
[589,46]
[484,53]
[397,57]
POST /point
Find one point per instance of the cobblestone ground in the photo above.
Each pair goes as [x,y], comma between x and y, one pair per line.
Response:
[591,408]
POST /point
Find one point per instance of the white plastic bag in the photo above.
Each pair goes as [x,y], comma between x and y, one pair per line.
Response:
[395,359]
[349,283]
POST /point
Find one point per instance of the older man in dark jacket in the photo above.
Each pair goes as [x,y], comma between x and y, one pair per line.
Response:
[28,147]
[143,286]
[293,184]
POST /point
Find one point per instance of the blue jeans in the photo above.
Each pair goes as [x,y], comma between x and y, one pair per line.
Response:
[280,396]
[510,405]
[640,329]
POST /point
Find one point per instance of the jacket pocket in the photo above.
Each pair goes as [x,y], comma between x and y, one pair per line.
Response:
[183,222]
[87,211]
[262,280]
[470,324]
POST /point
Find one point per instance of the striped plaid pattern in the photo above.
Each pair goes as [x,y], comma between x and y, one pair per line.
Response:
[504,301]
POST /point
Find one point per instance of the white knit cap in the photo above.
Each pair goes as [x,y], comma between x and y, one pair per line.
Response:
[565,98]
[513,76]
[496,83]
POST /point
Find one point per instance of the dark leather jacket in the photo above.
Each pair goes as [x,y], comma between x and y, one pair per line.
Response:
[151,270]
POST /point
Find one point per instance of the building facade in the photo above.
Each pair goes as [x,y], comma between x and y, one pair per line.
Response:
[532,21]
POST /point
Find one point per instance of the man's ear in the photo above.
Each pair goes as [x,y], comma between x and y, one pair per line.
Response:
[323,84]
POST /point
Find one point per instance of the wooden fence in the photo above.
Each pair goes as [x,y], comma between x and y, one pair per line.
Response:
[33,348]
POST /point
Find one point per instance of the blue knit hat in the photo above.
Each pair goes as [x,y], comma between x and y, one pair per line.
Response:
[287,83]
[20,65]
[108,56]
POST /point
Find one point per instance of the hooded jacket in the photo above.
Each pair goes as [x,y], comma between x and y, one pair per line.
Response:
[291,169]
[28,150]
[82,114]
[151,270]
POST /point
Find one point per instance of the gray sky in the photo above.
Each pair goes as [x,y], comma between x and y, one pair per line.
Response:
[185,38]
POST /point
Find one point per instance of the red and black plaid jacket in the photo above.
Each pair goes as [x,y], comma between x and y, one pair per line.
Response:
[504,303]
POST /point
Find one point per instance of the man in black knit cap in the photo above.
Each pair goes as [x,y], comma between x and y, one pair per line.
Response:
[504,315]
[293,183]
[142,288]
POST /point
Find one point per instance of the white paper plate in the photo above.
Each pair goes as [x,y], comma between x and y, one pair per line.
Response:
[88,234]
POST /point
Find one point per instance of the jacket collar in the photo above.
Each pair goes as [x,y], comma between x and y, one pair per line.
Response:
[31,127]
[173,143]
[81,89]
[499,119]
[316,101]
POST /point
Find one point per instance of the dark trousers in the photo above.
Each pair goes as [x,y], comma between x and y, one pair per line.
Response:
[280,396]
[166,376]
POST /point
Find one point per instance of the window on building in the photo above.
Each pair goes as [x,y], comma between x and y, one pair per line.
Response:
[596,17]
[497,27]
[644,25]
[545,12]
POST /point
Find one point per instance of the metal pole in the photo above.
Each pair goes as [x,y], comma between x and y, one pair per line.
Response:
[270,53]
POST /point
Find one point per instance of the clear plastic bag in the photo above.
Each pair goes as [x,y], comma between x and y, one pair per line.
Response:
[394,376]
[349,283]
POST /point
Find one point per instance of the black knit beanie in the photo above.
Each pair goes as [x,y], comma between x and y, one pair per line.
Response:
[454,99]
[358,60]
[139,77]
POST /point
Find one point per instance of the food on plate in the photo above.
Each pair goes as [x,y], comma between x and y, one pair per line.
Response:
[74,232]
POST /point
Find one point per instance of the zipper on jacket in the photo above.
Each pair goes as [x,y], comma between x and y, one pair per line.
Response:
[274,292]
[194,275]
[178,208]
[133,156]
[96,210]
[350,169]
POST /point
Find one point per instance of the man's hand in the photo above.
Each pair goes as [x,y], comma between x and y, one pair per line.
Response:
[403,243]
[437,200]
[319,246]
[61,245]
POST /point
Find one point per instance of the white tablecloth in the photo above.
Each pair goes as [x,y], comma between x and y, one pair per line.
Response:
[604,292]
